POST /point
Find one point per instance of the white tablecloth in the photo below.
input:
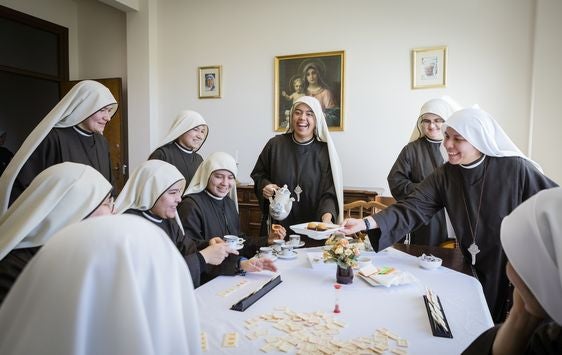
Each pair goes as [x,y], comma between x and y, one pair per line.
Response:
[364,308]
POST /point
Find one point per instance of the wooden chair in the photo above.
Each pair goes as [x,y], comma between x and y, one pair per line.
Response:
[361,209]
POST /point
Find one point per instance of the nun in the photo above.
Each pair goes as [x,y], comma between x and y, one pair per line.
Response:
[531,236]
[179,148]
[60,195]
[485,178]
[417,160]
[153,193]
[113,285]
[209,210]
[305,159]
[72,131]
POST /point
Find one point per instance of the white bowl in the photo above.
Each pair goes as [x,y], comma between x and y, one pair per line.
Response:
[429,262]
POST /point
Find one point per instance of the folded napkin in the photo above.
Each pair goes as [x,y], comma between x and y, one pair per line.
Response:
[387,276]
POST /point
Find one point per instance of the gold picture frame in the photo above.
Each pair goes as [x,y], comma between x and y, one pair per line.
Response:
[291,82]
[210,82]
[429,67]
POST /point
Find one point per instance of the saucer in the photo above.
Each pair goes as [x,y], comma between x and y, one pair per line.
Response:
[301,244]
[290,256]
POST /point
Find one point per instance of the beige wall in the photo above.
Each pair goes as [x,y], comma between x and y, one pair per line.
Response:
[502,55]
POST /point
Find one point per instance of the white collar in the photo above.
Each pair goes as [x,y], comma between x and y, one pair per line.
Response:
[475,164]
[82,132]
[151,218]
[183,149]
[214,197]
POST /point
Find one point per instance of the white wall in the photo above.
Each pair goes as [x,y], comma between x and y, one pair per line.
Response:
[490,63]
[502,55]
[547,114]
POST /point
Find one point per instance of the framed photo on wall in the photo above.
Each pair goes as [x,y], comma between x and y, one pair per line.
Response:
[316,74]
[210,82]
[429,67]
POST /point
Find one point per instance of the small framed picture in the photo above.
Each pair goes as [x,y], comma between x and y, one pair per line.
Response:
[210,82]
[320,75]
[429,67]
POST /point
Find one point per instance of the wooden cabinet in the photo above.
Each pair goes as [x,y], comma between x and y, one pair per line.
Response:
[249,209]
[250,212]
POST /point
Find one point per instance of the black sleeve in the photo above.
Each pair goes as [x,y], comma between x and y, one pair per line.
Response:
[404,216]
[399,177]
[328,202]
[45,155]
[261,174]
[191,217]
[11,267]
[483,344]
[158,154]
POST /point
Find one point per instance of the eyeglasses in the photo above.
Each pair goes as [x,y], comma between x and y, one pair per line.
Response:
[438,122]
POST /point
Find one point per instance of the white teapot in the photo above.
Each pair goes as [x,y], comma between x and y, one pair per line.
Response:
[280,205]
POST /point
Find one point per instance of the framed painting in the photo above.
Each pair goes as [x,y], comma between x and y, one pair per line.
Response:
[210,82]
[320,75]
[429,67]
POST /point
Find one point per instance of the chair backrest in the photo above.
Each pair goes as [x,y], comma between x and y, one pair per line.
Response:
[361,209]
[385,200]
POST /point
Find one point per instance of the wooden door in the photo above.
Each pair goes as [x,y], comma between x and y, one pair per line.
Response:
[115,131]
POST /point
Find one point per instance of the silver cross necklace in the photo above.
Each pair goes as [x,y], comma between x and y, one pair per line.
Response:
[473,248]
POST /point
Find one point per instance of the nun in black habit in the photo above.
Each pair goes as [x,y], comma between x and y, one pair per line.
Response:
[153,193]
[486,177]
[417,160]
[305,159]
[60,195]
[71,131]
[179,148]
[209,211]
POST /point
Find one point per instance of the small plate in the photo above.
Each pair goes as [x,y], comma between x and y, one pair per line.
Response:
[290,256]
[301,244]
[318,235]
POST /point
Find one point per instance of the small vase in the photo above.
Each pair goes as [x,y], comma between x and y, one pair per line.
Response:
[344,275]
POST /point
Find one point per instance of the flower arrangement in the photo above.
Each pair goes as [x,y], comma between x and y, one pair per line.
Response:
[341,252]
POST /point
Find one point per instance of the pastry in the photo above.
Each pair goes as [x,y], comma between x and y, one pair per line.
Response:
[321,227]
[312,225]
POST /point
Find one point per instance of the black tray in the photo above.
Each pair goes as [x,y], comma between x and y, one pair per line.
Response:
[249,300]
[437,330]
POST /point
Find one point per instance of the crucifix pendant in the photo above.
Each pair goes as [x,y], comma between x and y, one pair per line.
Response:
[473,250]
[298,192]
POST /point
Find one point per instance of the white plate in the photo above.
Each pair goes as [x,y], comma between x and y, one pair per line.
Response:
[318,235]
[301,244]
[290,256]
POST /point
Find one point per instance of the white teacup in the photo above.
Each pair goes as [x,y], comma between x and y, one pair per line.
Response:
[233,241]
[295,240]
[266,252]
[363,261]
[277,243]
[287,249]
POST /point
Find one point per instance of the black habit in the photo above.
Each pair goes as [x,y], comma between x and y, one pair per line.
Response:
[12,266]
[187,248]
[546,340]
[205,217]
[415,162]
[286,162]
[186,163]
[61,145]
[508,182]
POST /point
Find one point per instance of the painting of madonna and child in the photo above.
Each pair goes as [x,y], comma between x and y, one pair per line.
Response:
[319,75]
